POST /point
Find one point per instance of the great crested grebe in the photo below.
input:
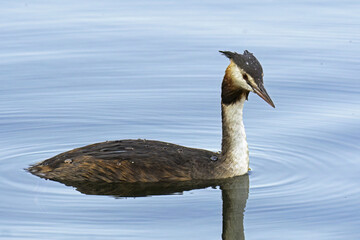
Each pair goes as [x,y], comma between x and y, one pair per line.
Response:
[155,161]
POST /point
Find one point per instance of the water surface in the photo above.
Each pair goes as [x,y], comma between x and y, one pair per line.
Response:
[75,73]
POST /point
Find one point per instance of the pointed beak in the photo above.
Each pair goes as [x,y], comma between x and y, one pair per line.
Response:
[264,95]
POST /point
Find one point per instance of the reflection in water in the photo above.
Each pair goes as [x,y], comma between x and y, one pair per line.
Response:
[235,193]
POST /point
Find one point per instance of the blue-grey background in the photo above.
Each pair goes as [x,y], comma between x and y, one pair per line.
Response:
[78,72]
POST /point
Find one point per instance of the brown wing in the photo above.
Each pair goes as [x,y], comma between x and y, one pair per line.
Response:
[127,160]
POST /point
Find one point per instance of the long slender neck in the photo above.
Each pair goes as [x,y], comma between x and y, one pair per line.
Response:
[235,153]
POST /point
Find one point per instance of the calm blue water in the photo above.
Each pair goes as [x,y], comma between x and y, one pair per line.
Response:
[78,72]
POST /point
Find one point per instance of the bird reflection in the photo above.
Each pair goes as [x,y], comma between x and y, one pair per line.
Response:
[235,193]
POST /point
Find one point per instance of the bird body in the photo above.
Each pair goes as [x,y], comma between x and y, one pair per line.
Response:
[129,161]
[155,161]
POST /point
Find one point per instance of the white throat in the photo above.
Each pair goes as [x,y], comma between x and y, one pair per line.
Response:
[234,145]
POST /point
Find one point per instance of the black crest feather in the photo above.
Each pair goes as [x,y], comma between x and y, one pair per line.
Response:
[248,63]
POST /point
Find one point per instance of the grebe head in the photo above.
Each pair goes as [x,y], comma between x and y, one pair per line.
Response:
[245,73]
